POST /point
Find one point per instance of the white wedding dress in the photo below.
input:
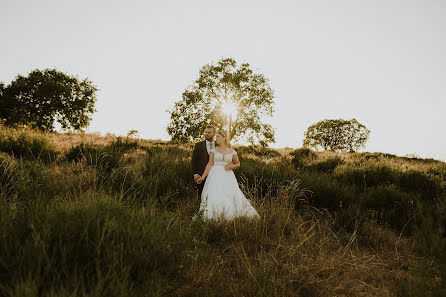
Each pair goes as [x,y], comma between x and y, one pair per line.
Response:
[221,197]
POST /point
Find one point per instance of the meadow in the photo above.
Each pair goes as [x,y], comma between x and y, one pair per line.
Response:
[90,215]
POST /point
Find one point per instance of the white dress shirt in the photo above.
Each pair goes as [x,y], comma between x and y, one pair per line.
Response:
[208,145]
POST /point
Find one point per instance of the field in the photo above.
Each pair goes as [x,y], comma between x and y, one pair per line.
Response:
[90,215]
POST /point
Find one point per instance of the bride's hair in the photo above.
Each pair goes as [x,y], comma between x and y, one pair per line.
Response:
[223,134]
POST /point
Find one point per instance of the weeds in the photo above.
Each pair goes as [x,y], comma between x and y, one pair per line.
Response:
[113,217]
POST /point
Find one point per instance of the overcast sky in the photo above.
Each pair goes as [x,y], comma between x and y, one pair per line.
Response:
[381,62]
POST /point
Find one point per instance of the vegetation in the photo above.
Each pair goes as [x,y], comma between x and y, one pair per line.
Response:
[337,135]
[44,97]
[218,85]
[111,216]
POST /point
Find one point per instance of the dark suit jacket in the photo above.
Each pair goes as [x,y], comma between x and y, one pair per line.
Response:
[200,157]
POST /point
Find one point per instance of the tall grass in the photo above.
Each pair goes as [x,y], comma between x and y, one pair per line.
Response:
[28,146]
[94,246]
[113,217]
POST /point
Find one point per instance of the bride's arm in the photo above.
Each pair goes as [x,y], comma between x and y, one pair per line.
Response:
[208,167]
[236,162]
[234,165]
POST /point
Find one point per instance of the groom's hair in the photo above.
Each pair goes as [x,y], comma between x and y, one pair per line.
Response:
[211,127]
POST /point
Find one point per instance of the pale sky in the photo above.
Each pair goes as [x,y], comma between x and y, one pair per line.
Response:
[382,62]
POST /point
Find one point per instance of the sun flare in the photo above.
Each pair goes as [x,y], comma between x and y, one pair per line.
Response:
[229,108]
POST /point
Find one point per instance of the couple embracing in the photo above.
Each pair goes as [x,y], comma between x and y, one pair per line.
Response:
[212,164]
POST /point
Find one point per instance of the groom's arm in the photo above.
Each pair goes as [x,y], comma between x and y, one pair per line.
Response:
[195,158]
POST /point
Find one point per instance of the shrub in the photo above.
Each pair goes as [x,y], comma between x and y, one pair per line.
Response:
[328,193]
[105,159]
[123,145]
[258,151]
[80,151]
[168,179]
[91,151]
[24,180]
[418,182]
[390,205]
[267,177]
[95,244]
[375,156]
[368,174]
[8,175]
[175,151]
[326,165]
[28,147]
[301,157]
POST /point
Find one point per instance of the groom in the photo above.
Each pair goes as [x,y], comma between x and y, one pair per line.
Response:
[200,156]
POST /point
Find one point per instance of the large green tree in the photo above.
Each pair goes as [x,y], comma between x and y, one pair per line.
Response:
[44,97]
[225,83]
[337,135]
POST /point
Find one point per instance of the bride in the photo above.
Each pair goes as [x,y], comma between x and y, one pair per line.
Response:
[221,196]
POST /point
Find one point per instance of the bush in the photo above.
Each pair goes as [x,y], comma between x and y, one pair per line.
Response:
[301,157]
[168,178]
[326,165]
[175,151]
[258,151]
[29,147]
[267,178]
[105,159]
[390,205]
[24,180]
[90,152]
[363,175]
[375,156]
[81,151]
[418,182]
[95,245]
[328,193]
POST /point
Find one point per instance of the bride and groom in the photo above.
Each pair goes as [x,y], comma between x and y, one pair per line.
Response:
[212,164]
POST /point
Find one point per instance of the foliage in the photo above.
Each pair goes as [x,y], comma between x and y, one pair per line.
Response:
[327,192]
[390,205]
[301,157]
[258,151]
[133,133]
[28,146]
[24,180]
[337,135]
[217,85]
[326,165]
[43,97]
[113,218]
[367,174]
[96,246]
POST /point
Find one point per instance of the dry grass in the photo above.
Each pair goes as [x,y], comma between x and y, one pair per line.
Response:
[292,253]
[287,252]
[62,141]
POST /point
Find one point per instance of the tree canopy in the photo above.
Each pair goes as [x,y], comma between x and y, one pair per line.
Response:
[44,97]
[337,135]
[223,83]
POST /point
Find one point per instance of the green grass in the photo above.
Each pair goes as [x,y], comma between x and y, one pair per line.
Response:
[114,218]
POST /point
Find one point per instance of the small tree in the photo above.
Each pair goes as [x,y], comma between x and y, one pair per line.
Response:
[43,97]
[203,103]
[337,135]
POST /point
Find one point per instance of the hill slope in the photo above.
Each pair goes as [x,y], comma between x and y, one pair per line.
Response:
[105,216]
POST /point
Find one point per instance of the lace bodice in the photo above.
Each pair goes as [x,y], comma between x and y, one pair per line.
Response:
[222,160]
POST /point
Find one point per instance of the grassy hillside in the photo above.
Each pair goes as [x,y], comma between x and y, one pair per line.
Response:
[85,215]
